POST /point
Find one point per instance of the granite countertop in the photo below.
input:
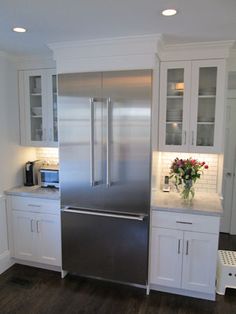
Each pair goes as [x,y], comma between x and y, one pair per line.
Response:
[203,203]
[35,191]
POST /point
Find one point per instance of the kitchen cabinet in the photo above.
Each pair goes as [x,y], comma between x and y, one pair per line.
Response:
[184,253]
[36,232]
[192,106]
[38,107]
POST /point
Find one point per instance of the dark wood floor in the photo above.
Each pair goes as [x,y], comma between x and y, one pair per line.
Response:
[27,290]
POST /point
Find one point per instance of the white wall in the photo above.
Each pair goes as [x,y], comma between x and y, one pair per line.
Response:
[12,155]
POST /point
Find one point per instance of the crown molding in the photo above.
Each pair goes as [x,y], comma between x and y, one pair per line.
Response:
[195,50]
[106,54]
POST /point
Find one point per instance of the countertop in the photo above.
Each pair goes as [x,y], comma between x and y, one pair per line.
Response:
[35,191]
[203,203]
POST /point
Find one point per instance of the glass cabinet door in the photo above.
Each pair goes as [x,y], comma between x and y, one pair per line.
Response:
[206,106]
[174,106]
[174,94]
[36,108]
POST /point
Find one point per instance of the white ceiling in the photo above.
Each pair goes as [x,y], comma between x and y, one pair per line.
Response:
[50,21]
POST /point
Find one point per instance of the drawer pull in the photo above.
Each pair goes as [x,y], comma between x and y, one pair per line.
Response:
[184,222]
[31,225]
[38,226]
[34,205]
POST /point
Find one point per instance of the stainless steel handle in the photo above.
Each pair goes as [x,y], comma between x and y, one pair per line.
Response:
[92,183]
[93,213]
[228,174]
[192,137]
[184,222]
[34,205]
[179,241]
[31,225]
[108,177]
[187,247]
[185,137]
[38,226]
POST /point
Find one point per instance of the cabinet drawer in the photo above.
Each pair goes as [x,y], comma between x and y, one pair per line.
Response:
[189,222]
[35,204]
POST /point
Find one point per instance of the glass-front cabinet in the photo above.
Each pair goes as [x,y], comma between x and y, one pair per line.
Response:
[38,107]
[191,106]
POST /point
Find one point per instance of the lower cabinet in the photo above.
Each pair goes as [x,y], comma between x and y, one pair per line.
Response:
[36,236]
[183,259]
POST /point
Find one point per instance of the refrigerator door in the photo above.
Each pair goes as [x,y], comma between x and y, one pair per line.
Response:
[80,111]
[105,246]
[128,97]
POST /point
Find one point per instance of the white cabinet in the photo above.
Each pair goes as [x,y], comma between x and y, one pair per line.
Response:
[36,234]
[38,107]
[192,106]
[184,253]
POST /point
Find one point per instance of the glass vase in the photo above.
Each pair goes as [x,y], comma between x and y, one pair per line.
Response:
[187,192]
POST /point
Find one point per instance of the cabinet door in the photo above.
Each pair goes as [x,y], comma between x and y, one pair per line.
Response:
[199,261]
[52,126]
[33,100]
[166,257]
[174,105]
[24,224]
[48,239]
[207,106]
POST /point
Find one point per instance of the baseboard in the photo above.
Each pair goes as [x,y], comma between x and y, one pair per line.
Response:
[37,265]
[5,261]
[188,293]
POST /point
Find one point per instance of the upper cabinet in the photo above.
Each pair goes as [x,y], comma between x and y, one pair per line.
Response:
[192,106]
[38,107]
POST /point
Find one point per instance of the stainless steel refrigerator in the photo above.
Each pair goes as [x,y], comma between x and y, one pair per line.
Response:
[104,136]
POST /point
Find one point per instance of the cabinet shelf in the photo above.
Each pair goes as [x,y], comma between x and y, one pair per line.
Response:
[175,96]
[37,117]
[35,94]
[206,96]
[172,122]
[208,123]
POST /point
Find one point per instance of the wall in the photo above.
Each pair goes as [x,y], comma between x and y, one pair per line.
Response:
[12,156]
[208,181]
[48,154]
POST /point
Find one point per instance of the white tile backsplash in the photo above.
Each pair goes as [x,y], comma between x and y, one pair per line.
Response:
[48,154]
[208,181]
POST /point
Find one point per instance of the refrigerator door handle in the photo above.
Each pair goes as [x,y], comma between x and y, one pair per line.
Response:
[110,215]
[92,182]
[108,176]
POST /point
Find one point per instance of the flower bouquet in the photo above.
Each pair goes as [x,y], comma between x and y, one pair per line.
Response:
[186,172]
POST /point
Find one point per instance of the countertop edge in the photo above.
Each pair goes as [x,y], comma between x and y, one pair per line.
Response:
[188,211]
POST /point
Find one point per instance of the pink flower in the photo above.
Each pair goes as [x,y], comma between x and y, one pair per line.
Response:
[206,167]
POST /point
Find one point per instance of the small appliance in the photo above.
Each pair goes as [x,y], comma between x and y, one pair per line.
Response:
[31,169]
[49,176]
[166,185]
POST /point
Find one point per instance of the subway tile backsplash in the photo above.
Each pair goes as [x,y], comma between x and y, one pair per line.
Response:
[48,154]
[207,182]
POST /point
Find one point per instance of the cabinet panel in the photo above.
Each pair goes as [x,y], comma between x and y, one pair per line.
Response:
[23,235]
[192,106]
[49,239]
[174,105]
[38,106]
[166,257]
[199,261]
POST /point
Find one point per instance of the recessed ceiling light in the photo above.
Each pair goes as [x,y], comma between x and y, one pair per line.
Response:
[169,12]
[19,29]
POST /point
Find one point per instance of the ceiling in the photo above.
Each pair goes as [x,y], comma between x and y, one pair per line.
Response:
[51,21]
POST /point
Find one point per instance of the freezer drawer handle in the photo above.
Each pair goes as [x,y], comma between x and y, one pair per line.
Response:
[108,183]
[92,183]
[92,213]
[184,222]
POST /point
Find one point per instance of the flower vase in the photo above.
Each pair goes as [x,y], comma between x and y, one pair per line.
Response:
[187,193]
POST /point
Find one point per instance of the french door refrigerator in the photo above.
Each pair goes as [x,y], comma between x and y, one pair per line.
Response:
[104,136]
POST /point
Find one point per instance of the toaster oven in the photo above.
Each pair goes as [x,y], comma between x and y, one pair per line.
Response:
[49,176]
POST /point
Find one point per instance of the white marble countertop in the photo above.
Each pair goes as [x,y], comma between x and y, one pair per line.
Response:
[203,203]
[35,191]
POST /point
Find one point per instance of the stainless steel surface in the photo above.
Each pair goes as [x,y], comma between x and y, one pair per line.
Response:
[179,241]
[187,244]
[104,214]
[105,155]
[192,137]
[105,247]
[38,226]
[185,137]
[31,225]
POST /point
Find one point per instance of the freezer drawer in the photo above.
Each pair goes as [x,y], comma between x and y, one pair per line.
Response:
[113,248]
